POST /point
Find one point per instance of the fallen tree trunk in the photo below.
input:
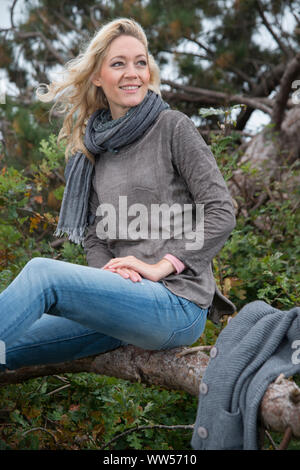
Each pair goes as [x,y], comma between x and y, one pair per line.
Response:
[164,368]
[174,369]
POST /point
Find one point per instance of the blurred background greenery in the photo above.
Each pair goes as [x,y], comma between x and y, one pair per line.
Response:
[229,66]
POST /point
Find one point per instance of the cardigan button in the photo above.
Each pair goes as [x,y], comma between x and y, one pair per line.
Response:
[213,352]
[203,388]
[202,432]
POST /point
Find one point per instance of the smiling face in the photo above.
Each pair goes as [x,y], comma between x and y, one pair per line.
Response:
[124,75]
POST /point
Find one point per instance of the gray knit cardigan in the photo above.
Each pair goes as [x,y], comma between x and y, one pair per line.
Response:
[257,345]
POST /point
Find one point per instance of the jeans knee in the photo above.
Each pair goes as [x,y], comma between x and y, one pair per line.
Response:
[37,263]
[38,268]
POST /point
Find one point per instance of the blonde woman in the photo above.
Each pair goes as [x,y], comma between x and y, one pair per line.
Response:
[128,152]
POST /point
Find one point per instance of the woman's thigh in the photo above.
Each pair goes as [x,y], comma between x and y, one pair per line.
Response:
[52,340]
[145,314]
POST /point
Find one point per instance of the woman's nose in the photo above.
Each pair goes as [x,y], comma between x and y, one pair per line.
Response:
[130,70]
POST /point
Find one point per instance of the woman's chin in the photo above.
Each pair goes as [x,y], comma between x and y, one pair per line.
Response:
[134,99]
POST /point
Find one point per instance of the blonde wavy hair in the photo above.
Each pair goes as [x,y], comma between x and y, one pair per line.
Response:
[76,96]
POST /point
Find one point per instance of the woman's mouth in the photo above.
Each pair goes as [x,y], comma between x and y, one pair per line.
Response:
[130,88]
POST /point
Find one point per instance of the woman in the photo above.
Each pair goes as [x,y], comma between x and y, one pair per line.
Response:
[150,289]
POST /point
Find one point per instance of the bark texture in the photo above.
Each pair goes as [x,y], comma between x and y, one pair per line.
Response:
[280,407]
[174,369]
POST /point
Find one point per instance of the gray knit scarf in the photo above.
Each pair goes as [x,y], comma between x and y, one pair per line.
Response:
[102,134]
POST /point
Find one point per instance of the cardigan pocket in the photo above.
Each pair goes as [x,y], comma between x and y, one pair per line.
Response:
[231,430]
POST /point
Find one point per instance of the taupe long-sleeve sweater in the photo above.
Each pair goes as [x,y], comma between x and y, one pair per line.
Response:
[169,164]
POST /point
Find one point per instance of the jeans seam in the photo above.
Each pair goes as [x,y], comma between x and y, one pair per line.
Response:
[173,297]
[35,345]
[183,329]
[22,319]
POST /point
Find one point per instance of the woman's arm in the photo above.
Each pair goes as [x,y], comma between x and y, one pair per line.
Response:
[195,163]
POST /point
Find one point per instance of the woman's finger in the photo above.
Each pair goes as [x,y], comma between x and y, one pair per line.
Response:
[134,275]
[125,259]
[129,273]
[125,272]
[147,271]
[110,262]
[125,263]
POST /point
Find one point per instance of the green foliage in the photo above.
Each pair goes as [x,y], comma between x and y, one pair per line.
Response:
[28,125]
[53,153]
[223,51]
[259,261]
[258,269]
[73,253]
[90,410]
[26,220]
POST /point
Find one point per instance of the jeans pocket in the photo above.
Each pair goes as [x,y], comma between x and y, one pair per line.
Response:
[189,334]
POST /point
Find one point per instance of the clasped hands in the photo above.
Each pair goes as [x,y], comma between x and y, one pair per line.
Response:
[130,267]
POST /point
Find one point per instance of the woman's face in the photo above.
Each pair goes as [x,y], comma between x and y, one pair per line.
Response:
[125,64]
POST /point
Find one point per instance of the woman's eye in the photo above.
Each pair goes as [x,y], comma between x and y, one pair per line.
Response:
[143,62]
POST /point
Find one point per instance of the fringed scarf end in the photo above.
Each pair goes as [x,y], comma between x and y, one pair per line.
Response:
[74,235]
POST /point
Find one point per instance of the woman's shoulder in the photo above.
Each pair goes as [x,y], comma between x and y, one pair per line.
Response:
[173,116]
[175,123]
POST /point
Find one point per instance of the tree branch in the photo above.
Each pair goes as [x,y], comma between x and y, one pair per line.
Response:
[294,15]
[201,45]
[267,82]
[223,98]
[173,370]
[176,52]
[282,46]
[131,363]
[52,29]
[69,24]
[12,24]
[92,16]
[212,56]
[31,34]
[141,428]
[290,74]
[12,13]
[188,98]
[34,34]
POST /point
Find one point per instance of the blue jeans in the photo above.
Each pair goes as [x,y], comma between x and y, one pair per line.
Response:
[55,311]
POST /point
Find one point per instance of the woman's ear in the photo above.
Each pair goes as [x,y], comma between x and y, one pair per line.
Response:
[96,81]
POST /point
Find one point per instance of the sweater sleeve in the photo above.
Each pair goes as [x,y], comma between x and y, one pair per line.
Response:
[178,265]
[96,250]
[195,163]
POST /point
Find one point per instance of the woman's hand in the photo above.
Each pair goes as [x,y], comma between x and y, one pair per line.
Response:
[126,273]
[134,267]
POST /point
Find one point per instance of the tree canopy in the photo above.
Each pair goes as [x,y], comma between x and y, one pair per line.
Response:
[237,48]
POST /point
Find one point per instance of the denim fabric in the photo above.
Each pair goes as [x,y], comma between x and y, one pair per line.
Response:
[55,311]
